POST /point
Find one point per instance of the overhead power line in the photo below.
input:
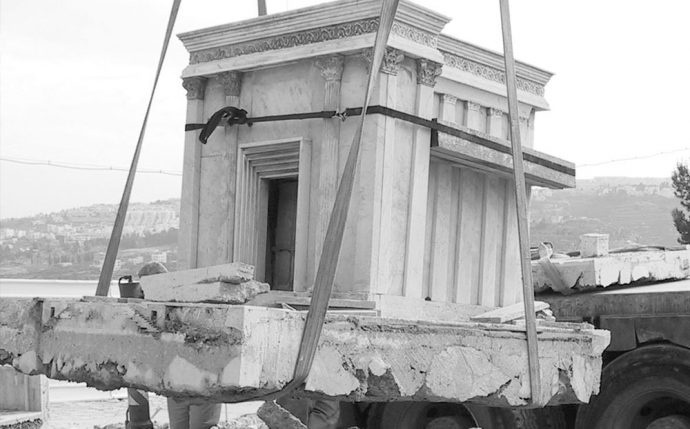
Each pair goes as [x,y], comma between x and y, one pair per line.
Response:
[89,167]
[633,158]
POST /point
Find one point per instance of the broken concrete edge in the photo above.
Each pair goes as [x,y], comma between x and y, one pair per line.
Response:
[508,313]
[10,418]
[21,423]
[627,268]
[359,359]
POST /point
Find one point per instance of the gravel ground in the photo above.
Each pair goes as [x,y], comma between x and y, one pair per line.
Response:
[87,414]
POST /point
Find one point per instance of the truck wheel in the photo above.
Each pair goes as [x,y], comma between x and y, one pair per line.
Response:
[648,387]
[442,415]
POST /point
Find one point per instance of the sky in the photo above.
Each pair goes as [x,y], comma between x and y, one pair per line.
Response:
[75,76]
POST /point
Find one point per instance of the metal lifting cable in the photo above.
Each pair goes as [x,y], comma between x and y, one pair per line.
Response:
[114,243]
[521,203]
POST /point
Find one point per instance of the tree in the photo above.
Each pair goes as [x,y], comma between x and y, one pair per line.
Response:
[681,189]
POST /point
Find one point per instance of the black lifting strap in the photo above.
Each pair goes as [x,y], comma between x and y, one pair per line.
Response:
[229,115]
[239,116]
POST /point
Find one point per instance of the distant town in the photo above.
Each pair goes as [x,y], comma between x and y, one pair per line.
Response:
[71,244]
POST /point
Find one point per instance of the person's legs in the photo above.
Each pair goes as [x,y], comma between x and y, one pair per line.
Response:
[323,414]
[178,412]
[204,416]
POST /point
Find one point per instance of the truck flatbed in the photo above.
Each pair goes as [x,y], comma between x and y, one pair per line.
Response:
[658,312]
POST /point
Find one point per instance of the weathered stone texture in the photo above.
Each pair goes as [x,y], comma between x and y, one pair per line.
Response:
[228,293]
[621,268]
[230,353]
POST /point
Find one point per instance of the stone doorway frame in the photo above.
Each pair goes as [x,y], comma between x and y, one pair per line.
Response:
[258,162]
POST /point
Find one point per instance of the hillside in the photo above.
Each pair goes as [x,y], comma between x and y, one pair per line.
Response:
[630,210]
[71,244]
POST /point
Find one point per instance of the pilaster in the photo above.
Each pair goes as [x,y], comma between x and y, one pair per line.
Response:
[189,205]
[447,109]
[232,83]
[384,151]
[475,116]
[331,68]
[496,121]
[413,276]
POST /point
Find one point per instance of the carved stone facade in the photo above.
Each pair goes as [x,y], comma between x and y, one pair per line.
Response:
[428,71]
[333,32]
[475,107]
[392,60]
[415,34]
[490,73]
[232,82]
[331,67]
[195,86]
[496,112]
[449,99]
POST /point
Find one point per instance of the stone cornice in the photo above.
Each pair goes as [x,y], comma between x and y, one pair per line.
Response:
[490,73]
[311,18]
[486,57]
[306,37]
[346,27]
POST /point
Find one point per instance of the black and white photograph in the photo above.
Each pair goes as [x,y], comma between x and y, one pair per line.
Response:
[345,214]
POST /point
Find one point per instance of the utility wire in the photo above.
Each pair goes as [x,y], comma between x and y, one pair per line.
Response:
[633,158]
[89,167]
[96,167]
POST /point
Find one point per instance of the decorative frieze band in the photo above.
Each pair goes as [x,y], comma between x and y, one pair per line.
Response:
[427,72]
[331,67]
[490,73]
[231,81]
[358,28]
[333,32]
[195,86]
[415,34]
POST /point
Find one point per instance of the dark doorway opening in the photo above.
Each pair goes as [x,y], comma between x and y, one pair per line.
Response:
[280,234]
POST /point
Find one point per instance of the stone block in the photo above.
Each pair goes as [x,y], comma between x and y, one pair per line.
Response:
[228,293]
[235,273]
[593,245]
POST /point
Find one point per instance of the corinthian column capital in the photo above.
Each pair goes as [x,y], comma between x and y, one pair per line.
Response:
[231,81]
[331,67]
[427,72]
[195,86]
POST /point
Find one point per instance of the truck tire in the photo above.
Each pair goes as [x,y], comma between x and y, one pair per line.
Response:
[646,387]
[442,415]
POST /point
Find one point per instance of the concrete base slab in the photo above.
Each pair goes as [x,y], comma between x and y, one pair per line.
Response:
[232,353]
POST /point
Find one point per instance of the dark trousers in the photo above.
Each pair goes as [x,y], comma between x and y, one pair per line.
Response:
[185,415]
